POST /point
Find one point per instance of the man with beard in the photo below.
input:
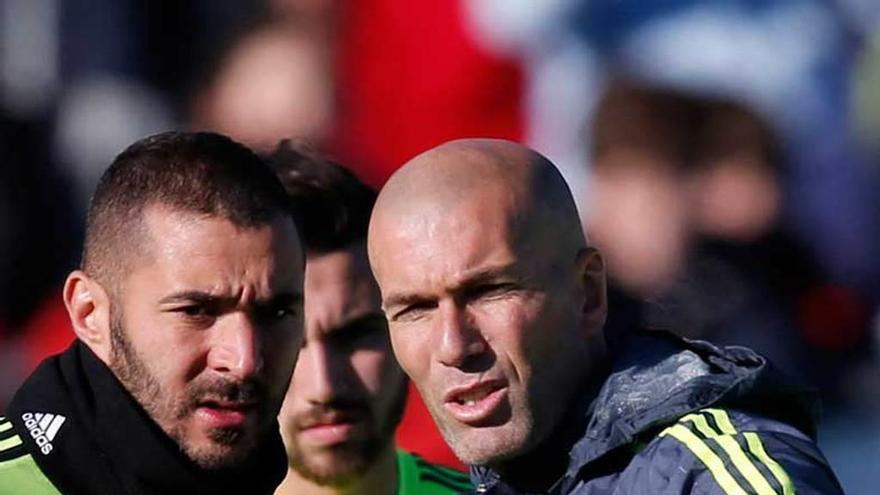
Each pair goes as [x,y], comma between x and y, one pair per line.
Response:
[347,393]
[496,308]
[188,314]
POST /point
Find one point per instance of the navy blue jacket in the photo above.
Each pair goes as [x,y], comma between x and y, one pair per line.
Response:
[686,417]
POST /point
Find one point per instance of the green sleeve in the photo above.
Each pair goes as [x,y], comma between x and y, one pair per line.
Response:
[20,474]
[419,477]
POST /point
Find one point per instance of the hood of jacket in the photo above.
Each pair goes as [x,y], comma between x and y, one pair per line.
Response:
[656,378]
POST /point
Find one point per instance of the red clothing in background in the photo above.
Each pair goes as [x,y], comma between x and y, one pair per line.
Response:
[411,76]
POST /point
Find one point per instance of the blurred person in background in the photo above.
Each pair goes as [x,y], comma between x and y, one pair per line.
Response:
[688,207]
[187,309]
[496,308]
[347,393]
[276,80]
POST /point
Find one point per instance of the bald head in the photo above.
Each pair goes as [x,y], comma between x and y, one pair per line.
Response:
[486,279]
[502,180]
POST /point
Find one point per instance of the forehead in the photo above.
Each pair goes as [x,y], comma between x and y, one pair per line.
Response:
[212,253]
[439,247]
[340,283]
[339,268]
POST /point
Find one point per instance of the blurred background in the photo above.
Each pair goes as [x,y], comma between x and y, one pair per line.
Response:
[725,154]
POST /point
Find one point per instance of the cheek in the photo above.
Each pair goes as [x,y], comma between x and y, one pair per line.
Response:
[280,350]
[515,332]
[374,368]
[170,355]
[411,352]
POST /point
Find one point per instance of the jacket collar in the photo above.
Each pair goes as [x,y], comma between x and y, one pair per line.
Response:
[656,378]
[109,445]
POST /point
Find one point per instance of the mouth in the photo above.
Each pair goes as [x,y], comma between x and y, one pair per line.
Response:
[331,428]
[476,404]
[224,413]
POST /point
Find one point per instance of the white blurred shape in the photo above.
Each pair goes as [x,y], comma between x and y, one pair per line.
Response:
[98,118]
[28,54]
[510,26]
[762,59]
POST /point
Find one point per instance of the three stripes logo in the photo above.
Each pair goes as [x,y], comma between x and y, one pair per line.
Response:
[10,443]
[737,460]
[43,427]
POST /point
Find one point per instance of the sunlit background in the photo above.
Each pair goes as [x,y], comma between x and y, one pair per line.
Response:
[725,154]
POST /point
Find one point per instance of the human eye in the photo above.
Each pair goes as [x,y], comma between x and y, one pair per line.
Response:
[274,313]
[413,311]
[195,312]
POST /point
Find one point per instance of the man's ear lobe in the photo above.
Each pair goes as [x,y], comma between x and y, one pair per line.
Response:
[591,266]
[88,306]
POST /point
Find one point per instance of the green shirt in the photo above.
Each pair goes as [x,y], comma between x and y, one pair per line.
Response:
[19,472]
[419,477]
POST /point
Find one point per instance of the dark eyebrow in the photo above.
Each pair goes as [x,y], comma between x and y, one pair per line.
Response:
[362,320]
[201,297]
[191,296]
[358,322]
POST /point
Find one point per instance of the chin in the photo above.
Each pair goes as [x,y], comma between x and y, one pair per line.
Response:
[217,457]
[220,450]
[488,446]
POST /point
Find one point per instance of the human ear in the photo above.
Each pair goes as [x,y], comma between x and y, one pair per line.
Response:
[591,269]
[88,307]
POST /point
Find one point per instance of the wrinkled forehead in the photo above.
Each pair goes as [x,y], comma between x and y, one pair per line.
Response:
[187,244]
[445,238]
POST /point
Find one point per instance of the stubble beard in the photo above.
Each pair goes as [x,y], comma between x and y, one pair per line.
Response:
[169,412]
[493,445]
[350,461]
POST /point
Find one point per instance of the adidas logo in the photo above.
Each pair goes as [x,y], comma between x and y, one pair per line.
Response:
[43,427]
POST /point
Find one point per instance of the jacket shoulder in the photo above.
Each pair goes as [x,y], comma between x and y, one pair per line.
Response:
[19,472]
[718,451]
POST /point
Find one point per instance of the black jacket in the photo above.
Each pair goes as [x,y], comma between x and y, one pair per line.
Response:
[89,436]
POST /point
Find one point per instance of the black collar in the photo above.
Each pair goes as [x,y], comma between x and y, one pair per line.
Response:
[107,444]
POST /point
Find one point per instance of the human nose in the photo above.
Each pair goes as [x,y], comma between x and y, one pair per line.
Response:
[313,378]
[460,339]
[237,348]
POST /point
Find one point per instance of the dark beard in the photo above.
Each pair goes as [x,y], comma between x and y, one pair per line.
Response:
[132,372]
[352,461]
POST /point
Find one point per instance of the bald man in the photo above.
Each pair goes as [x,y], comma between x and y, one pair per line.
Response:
[496,306]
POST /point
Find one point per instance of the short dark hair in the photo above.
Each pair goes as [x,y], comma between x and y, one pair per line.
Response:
[331,205]
[628,110]
[196,172]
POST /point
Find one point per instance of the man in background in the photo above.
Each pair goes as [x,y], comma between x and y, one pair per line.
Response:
[347,394]
[187,309]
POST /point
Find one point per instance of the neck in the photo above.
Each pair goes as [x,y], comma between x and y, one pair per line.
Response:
[379,479]
[538,471]
[543,466]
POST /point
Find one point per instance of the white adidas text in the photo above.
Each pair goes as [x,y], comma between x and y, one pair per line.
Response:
[43,427]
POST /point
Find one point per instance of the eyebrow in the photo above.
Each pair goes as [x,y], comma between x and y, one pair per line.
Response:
[488,275]
[197,296]
[348,326]
[476,279]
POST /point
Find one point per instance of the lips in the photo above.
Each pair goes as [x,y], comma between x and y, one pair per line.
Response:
[225,414]
[329,429]
[477,403]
